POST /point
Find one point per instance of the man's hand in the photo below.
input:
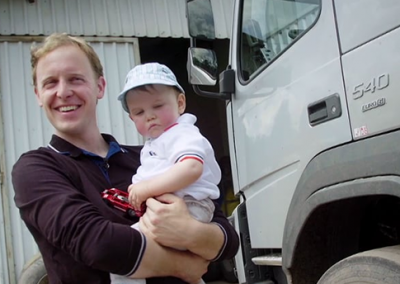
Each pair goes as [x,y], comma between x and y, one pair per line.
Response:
[166,220]
[192,268]
[137,194]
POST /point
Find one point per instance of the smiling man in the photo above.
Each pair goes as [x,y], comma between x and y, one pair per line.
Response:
[58,188]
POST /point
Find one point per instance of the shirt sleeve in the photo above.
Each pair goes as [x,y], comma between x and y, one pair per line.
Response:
[62,218]
[185,141]
[231,243]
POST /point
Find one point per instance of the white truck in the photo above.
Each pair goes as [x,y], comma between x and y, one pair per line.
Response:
[313,110]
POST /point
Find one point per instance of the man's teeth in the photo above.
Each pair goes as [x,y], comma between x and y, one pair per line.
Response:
[68,108]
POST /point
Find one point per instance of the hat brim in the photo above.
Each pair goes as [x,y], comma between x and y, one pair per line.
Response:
[140,83]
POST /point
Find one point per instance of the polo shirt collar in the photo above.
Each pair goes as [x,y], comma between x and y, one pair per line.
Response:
[63,147]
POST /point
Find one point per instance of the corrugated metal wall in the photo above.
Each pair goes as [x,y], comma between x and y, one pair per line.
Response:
[127,18]
[26,127]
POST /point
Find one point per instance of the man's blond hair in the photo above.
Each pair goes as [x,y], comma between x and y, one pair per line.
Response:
[56,40]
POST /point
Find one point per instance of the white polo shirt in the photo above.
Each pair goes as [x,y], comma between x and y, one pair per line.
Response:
[182,140]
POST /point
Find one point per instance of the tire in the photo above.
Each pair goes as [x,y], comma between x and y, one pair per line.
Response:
[34,273]
[378,266]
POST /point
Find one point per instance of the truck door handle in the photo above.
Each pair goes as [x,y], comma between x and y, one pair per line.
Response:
[317,112]
[324,110]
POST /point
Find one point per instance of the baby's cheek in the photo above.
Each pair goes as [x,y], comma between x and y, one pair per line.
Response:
[141,129]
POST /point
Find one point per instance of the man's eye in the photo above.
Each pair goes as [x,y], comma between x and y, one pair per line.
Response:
[49,84]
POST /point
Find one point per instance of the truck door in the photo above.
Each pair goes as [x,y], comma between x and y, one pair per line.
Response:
[288,106]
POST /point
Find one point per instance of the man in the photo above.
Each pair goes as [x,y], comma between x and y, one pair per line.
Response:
[58,188]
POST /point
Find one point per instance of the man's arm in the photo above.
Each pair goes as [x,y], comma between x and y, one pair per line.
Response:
[54,209]
[65,218]
[168,222]
[160,261]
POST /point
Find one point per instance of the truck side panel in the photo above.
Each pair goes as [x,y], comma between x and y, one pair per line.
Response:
[361,20]
[372,79]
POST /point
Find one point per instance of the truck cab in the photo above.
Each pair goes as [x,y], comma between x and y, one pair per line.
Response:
[312,91]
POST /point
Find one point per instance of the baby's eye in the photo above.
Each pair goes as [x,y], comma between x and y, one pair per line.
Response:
[138,113]
[158,106]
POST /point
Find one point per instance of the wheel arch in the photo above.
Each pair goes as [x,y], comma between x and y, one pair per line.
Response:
[343,182]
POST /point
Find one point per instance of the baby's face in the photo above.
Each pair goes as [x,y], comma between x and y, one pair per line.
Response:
[154,109]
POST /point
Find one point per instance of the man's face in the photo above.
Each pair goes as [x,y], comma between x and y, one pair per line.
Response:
[155,109]
[68,91]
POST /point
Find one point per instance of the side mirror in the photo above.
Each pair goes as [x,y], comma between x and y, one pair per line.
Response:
[202,66]
[202,70]
[200,19]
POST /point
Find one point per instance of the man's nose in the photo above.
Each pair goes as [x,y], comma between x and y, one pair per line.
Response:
[63,89]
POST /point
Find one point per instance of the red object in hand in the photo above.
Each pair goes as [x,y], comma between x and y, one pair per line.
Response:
[142,210]
[119,199]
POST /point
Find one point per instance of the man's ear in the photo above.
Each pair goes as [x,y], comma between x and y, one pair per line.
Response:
[38,97]
[181,103]
[101,85]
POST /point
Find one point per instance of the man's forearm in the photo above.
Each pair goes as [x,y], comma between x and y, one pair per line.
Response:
[205,239]
[159,261]
[168,222]
[156,262]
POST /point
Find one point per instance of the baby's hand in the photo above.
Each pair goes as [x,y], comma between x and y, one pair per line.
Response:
[137,195]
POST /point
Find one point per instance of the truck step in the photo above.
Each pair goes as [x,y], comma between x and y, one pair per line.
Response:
[270,260]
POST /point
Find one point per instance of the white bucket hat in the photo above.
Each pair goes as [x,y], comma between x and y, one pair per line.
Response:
[145,74]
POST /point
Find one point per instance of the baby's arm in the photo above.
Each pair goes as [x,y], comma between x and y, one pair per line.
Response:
[179,176]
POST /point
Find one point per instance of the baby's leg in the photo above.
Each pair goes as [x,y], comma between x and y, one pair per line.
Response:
[201,210]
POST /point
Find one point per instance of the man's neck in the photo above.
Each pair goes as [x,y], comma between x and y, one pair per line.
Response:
[91,142]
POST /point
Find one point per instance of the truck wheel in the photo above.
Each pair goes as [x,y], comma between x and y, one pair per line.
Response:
[378,266]
[34,273]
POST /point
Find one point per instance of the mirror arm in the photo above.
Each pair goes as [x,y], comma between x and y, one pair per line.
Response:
[192,42]
[213,95]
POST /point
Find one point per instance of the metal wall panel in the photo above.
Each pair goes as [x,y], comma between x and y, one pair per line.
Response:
[127,18]
[26,127]
[3,251]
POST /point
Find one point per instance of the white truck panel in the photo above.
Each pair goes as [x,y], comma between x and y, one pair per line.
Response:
[270,114]
[371,85]
[269,194]
[360,20]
